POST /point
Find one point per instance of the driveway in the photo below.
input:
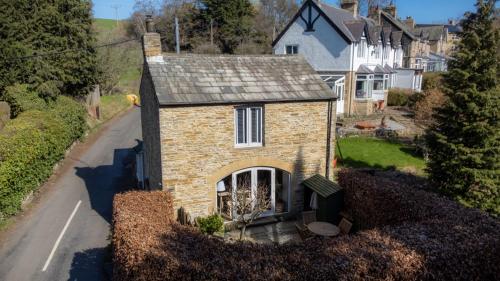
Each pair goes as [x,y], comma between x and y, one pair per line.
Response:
[65,234]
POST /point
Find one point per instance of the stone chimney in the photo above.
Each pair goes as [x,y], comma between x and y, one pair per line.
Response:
[151,44]
[374,13]
[350,5]
[410,22]
[391,9]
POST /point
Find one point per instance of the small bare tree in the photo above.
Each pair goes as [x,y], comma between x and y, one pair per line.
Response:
[248,207]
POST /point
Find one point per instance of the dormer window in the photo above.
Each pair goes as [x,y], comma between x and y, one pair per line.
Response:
[291,49]
[248,126]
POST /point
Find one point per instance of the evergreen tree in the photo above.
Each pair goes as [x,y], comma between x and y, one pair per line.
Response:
[464,144]
[232,21]
[57,36]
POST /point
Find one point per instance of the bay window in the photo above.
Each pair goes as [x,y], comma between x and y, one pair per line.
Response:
[363,86]
[378,83]
[248,126]
[386,82]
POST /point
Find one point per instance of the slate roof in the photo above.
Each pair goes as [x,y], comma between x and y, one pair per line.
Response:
[364,69]
[340,17]
[214,79]
[401,25]
[431,33]
[322,186]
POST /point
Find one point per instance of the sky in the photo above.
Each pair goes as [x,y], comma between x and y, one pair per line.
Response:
[423,11]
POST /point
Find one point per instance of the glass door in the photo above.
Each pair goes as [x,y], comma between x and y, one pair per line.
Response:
[254,188]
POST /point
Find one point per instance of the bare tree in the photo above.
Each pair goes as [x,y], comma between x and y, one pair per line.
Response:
[247,206]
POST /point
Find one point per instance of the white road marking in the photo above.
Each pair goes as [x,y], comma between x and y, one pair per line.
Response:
[61,236]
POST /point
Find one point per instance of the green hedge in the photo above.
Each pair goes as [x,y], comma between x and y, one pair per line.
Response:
[31,145]
[398,97]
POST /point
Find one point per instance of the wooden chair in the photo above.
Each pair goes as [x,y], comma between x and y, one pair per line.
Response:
[308,217]
[304,233]
[345,226]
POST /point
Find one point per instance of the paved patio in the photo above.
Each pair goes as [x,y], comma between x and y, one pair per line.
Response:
[280,232]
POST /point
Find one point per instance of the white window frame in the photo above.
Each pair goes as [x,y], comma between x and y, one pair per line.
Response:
[369,82]
[294,47]
[387,82]
[362,48]
[248,126]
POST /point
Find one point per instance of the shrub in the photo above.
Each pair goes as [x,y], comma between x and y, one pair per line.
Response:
[210,224]
[73,113]
[31,145]
[435,239]
[21,98]
[426,106]
[432,80]
[398,97]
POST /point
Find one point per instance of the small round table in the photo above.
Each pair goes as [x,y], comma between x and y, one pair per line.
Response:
[323,228]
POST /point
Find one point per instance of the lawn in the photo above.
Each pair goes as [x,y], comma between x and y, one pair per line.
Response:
[361,152]
[111,106]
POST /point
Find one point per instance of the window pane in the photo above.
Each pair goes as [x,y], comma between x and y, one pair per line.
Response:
[256,125]
[361,89]
[241,125]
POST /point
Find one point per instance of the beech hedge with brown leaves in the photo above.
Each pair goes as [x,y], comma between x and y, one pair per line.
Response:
[405,234]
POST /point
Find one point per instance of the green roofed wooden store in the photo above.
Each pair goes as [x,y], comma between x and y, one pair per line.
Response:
[324,196]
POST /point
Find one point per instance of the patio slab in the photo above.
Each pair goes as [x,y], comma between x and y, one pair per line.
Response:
[280,232]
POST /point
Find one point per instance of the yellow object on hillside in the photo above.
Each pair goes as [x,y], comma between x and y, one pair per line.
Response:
[134,99]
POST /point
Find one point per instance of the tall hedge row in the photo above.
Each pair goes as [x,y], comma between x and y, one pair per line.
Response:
[31,145]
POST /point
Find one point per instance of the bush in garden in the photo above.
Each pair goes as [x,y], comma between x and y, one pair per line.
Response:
[398,97]
[432,81]
[407,234]
[426,106]
[210,224]
[73,113]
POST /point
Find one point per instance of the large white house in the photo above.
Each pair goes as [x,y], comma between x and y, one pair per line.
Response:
[360,58]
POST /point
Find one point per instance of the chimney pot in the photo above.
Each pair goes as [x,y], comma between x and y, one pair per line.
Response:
[150,25]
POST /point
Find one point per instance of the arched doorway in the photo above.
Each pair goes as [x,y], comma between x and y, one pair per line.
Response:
[251,185]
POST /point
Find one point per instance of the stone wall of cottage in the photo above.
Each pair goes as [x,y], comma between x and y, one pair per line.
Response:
[150,133]
[198,149]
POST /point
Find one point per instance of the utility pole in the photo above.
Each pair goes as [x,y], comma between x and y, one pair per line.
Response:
[177,44]
[211,32]
[116,7]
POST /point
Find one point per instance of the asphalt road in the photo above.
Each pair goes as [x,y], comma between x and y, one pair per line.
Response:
[74,211]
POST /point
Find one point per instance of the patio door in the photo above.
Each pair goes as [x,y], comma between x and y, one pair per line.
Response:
[337,84]
[255,185]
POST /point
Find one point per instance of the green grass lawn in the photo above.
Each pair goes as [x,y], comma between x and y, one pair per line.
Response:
[361,152]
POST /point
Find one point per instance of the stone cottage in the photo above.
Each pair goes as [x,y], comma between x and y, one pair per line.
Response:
[210,122]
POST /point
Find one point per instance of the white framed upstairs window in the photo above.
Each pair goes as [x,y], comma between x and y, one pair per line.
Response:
[291,49]
[362,46]
[387,49]
[248,126]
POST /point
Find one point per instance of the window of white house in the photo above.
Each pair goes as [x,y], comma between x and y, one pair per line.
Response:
[387,49]
[378,50]
[248,126]
[363,86]
[378,83]
[386,82]
[362,48]
[292,49]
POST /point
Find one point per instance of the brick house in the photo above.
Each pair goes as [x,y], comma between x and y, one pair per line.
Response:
[211,121]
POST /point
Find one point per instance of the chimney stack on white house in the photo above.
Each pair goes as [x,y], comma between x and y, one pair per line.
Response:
[410,22]
[350,5]
[151,44]
[391,9]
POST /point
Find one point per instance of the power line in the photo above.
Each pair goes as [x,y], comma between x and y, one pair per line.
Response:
[73,50]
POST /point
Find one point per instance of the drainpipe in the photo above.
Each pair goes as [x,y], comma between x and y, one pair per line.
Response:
[353,87]
[329,138]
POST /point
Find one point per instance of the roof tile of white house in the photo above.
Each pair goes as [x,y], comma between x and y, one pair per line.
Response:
[208,79]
